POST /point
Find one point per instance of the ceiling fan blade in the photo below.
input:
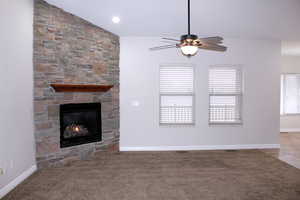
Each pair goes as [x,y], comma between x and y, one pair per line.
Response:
[217,40]
[169,42]
[164,47]
[212,47]
[171,39]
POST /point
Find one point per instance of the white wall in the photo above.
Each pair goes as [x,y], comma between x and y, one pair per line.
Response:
[290,123]
[17,153]
[139,79]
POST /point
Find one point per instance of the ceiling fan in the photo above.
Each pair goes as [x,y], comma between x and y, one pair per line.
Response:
[190,44]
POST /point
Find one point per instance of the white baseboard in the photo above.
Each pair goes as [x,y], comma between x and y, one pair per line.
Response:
[6,189]
[290,130]
[204,147]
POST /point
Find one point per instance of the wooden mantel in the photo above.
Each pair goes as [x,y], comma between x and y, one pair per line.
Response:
[80,88]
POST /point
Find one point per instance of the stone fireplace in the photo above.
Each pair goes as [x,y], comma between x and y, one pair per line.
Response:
[80,124]
[70,50]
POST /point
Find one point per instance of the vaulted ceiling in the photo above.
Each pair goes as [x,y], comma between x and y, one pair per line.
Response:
[260,19]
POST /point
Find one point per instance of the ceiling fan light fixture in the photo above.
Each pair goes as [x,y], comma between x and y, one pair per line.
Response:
[190,43]
[189,50]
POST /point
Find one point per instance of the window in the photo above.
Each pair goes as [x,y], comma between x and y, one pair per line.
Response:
[176,94]
[225,95]
[290,94]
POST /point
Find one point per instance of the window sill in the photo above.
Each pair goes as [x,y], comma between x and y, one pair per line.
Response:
[233,124]
[176,125]
[287,115]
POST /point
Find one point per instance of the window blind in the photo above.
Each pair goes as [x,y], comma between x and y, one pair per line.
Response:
[225,95]
[176,79]
[225,80]
[176,94]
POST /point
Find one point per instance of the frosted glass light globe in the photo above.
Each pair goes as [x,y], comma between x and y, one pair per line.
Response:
[189,50]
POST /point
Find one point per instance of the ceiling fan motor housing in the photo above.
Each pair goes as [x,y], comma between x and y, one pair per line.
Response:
[188,37]
[189,40]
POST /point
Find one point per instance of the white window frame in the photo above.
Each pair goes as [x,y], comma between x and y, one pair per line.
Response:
[192,94]
[239,95]
[283,94]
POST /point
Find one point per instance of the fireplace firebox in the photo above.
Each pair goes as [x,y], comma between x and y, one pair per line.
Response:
[80,124]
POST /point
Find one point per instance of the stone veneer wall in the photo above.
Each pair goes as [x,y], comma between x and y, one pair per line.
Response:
[68,49]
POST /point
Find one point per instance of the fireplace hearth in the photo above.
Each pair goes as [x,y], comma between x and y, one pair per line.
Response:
[80,124]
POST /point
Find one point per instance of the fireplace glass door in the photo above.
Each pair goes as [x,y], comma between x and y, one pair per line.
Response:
[80,124]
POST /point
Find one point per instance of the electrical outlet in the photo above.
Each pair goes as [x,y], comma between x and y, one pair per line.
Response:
[1,171]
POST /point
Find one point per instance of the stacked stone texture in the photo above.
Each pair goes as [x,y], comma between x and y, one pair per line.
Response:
[68,49]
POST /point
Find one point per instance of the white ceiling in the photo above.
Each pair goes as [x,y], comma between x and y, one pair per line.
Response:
[260,19]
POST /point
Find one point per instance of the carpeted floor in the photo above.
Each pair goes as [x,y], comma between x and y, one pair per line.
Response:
[198,175]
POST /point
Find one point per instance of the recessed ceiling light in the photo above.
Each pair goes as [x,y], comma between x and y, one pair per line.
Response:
[116,20]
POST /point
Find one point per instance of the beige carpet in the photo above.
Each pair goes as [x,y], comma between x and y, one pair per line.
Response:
[199,175]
